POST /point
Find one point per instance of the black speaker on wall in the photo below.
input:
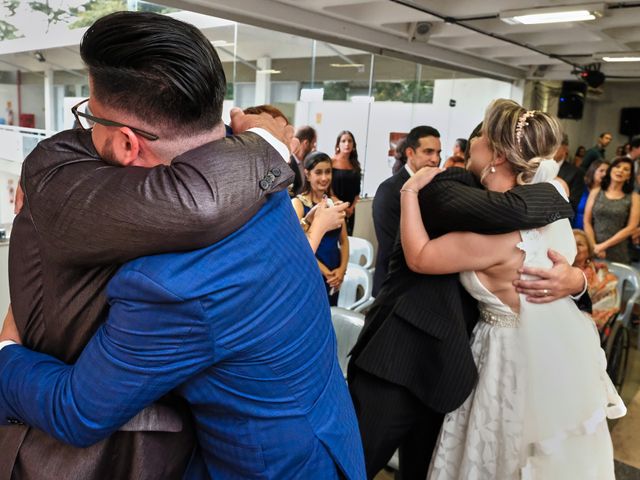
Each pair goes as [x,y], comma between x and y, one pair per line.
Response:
[571,101]
[630,121]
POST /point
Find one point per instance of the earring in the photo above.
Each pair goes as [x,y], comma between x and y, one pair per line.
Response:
[492,169]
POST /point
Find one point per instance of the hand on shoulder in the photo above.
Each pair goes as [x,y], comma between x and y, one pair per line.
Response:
[422,177]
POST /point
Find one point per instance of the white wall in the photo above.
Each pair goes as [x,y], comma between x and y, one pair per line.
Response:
[371,123]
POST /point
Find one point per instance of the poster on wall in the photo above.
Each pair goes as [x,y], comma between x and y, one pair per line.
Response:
[395,139]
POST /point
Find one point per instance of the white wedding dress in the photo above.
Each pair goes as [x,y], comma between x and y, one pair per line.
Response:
[539,409]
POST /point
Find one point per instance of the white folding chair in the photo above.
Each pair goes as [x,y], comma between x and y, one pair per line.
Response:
[347,325]
[360,252]
[356,288]
[628,291]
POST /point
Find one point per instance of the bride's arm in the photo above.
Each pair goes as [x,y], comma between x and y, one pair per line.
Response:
[454,252]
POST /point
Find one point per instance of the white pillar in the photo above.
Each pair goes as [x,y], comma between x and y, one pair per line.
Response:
[263,82]
[48,100]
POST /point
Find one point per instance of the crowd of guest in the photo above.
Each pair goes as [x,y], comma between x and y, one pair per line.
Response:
[604,194]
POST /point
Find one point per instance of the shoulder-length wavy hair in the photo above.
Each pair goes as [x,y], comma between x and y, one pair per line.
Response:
[627,187]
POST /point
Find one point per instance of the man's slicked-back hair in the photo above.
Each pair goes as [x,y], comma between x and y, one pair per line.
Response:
[156,68]
[412,140]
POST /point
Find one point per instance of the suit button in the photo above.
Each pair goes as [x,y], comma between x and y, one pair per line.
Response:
[276,172]
[264,185]
[270,177]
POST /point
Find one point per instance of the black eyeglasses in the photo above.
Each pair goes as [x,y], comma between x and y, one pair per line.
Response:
[87,121]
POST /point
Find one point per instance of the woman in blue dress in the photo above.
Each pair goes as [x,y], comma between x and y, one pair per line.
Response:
[333,251]
[592,179]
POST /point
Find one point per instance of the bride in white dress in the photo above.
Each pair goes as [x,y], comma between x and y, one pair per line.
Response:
[540,406]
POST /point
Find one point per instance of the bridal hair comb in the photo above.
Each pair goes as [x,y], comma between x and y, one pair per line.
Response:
[522,122]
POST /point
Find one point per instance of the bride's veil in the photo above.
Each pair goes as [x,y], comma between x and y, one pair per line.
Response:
[566,394]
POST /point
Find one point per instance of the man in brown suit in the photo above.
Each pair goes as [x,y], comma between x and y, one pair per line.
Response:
[82,218]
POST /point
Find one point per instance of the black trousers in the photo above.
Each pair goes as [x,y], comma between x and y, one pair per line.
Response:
[391,417]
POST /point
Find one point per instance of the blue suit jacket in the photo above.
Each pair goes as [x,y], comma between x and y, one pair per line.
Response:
[241,329]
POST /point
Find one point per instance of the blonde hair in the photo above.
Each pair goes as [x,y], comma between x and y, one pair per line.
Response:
[583,234]
[524,137]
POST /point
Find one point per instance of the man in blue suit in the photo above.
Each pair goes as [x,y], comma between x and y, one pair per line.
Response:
[241,329]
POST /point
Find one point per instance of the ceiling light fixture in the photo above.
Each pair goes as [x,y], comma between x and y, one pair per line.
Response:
[39,56]
[347,65]
[268,72]
[534,16]
[621,59]
[618,56]
[222,43]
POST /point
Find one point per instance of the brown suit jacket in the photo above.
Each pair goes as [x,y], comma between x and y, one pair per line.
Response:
[82,219]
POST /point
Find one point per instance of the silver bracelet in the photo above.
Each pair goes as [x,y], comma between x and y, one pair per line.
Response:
[584,289]
[409,190]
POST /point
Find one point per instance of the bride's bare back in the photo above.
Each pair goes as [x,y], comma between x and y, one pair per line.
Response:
[495,259]
[499,279]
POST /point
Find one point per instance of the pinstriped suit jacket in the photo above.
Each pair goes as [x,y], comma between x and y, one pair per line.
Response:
[82,219]
[417,333]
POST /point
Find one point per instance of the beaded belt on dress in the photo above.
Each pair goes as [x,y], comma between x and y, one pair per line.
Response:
[499,319]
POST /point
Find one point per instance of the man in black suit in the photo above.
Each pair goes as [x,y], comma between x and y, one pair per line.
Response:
[422,149]
[412,362]
[570,173]
[307,139]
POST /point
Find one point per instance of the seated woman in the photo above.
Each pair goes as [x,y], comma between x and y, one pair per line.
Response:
[333,251]
[602,284]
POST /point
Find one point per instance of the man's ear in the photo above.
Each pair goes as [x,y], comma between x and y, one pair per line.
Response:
[409,152]
[126,147]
